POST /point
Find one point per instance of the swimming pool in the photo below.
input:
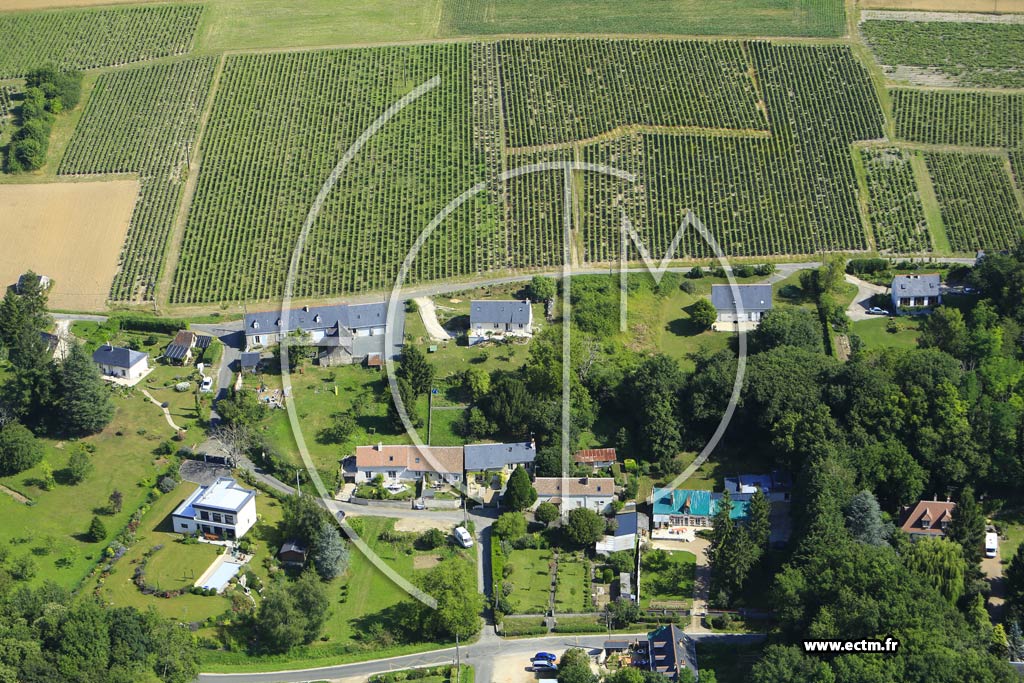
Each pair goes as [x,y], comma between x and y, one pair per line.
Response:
[222,575]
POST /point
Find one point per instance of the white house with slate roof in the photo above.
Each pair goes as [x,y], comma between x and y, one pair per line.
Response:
[119,363]
[344,333]
[223,509]
[754,302]
[498,319]
[916,291]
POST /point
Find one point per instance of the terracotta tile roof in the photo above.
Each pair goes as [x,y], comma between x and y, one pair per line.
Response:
[585,486]
[448,459]
[936,512]
[595,455]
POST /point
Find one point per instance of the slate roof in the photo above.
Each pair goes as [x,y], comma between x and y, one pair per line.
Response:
[626,523]
[916,285]
[671,651]
[494,456]
[292,546]
[488,311]
[753,298]
[118,356]
[308,318]
[574,486]
[250,359]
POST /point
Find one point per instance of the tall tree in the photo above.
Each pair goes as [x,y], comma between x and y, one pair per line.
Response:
[584,526]
[968,527]
[79,465]
[789,326]
[84,399]
[941,563]
[541,289]
[23,317]
[703,313]
[945,329]
[416,369]
[864,519]
[758,523]
[519,493]
[330,556]
[311,601]
[408,397]
[279,625]
[1015,579]
[510,526]
[19,449]
[453,585]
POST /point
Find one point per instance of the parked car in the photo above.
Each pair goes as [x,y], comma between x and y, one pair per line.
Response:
[543,665]
[545,656]
[418,504]
[463,537]
[875,310]
[207,385]
[991,544]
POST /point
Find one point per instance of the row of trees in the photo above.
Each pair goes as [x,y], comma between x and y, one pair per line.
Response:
[49,92]
[64,398]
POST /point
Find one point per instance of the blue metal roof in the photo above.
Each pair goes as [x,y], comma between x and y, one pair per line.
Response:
[493,456]
[691,502]
[626,523]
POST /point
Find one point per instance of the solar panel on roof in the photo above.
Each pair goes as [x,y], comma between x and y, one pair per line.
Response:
[203,341]
[176,351]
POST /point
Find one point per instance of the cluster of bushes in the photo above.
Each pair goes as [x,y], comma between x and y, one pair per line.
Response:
[197,590]
[48,93]
[145,323]
[741,270]
[446,671]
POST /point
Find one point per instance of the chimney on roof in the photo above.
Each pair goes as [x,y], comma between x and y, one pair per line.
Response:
[585,480]
[305,309]
[380,445]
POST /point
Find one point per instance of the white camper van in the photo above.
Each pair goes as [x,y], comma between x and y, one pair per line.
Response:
[991,544]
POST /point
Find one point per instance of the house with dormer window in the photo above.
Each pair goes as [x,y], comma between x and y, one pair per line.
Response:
[928,518]
[400,463]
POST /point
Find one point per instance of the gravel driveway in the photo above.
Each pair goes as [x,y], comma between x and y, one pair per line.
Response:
[425,305]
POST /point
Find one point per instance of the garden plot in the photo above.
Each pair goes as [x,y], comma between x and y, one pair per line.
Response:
[70,232]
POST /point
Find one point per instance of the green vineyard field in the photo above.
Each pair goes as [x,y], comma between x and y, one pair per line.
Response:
[959,118]
[91,38]
[767,166]
[792,193]
[894,204]
[279,125]
[970,54]
[143,120]
[977,200]
[627,82]
[663,17]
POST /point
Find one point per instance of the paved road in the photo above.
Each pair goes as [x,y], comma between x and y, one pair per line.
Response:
[480,655]
[858,308]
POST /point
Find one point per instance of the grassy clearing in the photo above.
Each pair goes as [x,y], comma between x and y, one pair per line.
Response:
[875,335]
[53,530]
[672,583]
[531,577]
[573,583]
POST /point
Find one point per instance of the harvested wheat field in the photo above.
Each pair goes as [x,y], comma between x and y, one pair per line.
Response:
[947,5]
[70,232]
[11,5]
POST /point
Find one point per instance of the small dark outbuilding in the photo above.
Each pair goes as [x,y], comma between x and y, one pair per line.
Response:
[292,552]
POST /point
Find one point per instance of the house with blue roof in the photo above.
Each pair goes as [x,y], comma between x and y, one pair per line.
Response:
[494,319]
[751,304]
[678,511]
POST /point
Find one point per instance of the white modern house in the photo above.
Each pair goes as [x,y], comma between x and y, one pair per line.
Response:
[344,334]
[117,362]
[753,303]
[408,463]
[569,493]
[499,319]
[916,291]
[222,510]
[629,528]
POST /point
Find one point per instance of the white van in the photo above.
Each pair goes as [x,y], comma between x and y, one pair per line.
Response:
[991,544]
[463,537]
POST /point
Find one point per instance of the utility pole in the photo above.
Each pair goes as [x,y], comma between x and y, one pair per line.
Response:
[458,659]
[298,487]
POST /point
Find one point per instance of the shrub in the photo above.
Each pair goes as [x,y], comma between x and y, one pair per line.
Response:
[166,484]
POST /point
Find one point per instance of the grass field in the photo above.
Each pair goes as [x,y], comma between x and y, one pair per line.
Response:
[875,335]
[531,576]
[672,583]
[573,583]
[71,232]
[53,530]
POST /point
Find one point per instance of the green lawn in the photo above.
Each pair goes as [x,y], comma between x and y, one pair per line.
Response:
[874,335]
[267,24]
[52,531]
[531,577]
[1011,526]
[573,583]
[673,582]
[178,565]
